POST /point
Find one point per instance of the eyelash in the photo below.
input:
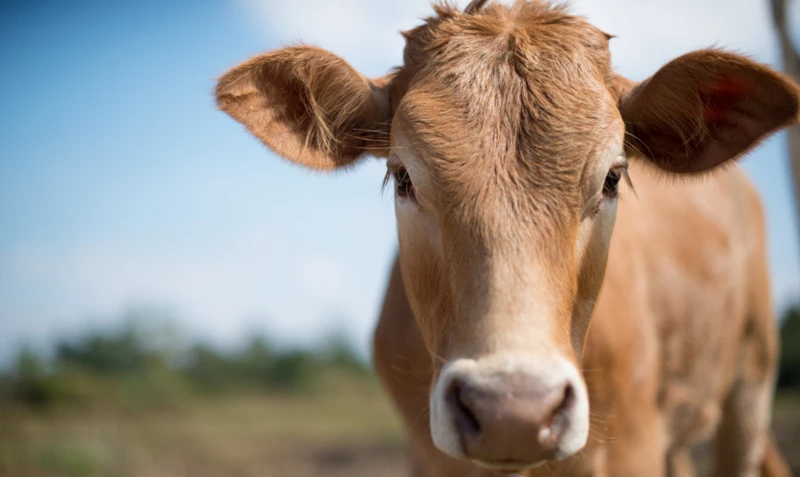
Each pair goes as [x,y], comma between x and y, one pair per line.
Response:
[612,180]
[403,187]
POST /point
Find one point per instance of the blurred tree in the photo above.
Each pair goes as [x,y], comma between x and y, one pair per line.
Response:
[293,369]
[210,370]
[143,364]
[789,375]
[105,353]
[256,360]
[339,352]
[791,65]
[29,381]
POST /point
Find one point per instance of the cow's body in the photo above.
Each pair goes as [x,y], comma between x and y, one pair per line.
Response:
[684,321]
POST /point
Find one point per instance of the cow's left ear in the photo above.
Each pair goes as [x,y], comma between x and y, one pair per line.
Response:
[706,108]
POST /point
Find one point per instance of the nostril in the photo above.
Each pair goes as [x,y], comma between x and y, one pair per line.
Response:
[465,420]
[569,399]
[551,432]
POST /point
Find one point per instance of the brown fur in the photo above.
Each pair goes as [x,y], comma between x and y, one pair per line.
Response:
[506,119]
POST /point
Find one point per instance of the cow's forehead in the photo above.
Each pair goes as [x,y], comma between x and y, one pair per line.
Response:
[507,87]
[508,135]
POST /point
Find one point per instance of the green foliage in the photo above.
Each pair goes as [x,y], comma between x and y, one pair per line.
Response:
[132,368]
[339,352]
[789,375]
[113,353]
[30,381]
[259,366]
[294,370]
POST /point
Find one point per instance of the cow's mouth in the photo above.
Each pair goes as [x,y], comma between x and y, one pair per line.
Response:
[512,468]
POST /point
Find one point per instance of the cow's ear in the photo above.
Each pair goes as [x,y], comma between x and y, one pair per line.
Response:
[309,106]
[706,108]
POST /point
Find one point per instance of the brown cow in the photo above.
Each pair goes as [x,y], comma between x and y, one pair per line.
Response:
[511,140]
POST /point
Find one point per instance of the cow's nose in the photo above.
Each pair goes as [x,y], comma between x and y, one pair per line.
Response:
[517,425]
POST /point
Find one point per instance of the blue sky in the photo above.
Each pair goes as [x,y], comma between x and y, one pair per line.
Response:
[122,186]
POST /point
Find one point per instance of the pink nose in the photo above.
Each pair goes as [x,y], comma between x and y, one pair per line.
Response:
[517,423]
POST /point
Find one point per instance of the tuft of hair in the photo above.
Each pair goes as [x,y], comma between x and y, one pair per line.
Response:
[475,6]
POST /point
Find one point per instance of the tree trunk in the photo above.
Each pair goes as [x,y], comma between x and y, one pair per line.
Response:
[791,65]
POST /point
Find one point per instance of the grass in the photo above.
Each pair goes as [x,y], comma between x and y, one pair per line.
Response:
[350,431]
[344,428]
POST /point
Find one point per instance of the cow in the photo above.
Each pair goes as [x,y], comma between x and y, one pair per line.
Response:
[518,333]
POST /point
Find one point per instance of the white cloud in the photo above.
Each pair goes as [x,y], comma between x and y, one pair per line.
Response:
[653,32]
[220,292]
[364,32]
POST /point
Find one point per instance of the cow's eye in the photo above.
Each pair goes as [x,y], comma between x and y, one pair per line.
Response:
[611,184]
[402,183]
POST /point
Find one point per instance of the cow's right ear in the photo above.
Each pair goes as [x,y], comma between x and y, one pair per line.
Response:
[309,106]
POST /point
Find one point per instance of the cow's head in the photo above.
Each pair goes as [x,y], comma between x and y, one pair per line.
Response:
[508,137]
